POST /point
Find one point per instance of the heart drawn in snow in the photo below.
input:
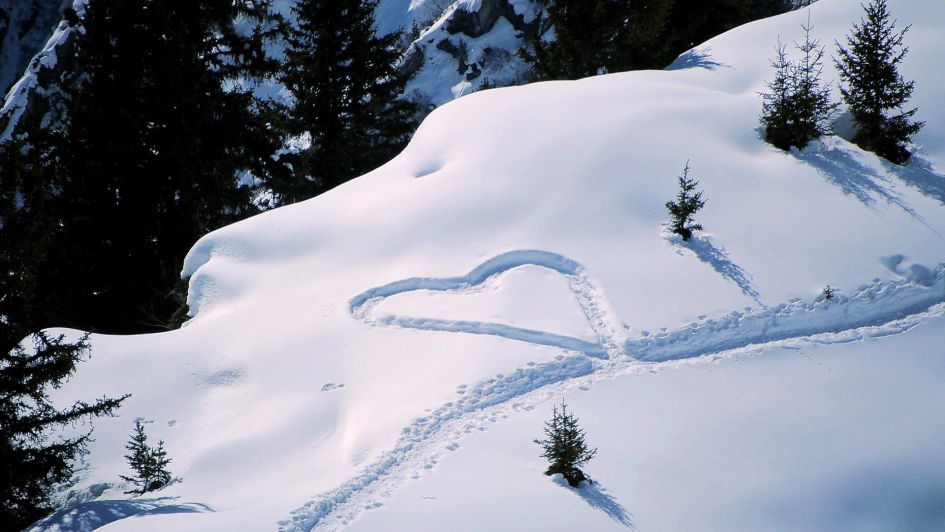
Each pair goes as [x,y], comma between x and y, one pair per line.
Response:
[362,305]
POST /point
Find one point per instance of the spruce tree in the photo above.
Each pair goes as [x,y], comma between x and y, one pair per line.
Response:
[687,203]
[873,88]
[347,90]
[694,21]
[797,108]
[565,447]
[599,36]
[149,463]
[32,464]
[778,109]
[149,142]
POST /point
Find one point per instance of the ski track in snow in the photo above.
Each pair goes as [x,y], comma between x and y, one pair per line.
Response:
[879,309]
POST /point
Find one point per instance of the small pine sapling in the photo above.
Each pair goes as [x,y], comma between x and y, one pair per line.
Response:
[565,447]
[687,203]
[149,463]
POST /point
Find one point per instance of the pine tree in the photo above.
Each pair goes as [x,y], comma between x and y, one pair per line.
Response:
[141,153]
[30,464]
[599,36]
[777,109]
[797,108]
[873,88]
[593,37]
[687,203]
[695,21]
[565,447]
[346,88]
[149,463]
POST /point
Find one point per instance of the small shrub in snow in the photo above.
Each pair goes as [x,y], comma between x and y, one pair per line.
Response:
[687,203]
[797,106]
[149,463]
[873,88]
[564,446]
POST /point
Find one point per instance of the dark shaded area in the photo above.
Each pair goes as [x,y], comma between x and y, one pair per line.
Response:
[601,36]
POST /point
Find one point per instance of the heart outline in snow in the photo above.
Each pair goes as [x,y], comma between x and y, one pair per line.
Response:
[362,305]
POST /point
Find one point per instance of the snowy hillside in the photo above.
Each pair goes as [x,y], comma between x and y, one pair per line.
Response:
[382,356]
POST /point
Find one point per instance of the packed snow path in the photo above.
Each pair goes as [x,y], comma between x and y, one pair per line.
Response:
[588,296]
[881,308]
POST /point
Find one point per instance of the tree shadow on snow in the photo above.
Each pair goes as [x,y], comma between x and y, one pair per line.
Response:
[838,163]
[696,59]
[719,260]
[95,514]
[598,498]
[918,174]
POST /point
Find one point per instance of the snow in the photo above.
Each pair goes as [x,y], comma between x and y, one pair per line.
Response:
[346,352]
[803,436]
[439,80]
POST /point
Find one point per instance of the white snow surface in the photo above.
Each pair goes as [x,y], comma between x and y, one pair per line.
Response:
[515,254]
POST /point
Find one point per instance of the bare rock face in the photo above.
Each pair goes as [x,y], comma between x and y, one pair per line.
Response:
[477,23]
[25,25]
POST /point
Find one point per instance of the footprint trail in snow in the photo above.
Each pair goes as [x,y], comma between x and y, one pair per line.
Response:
[874,310]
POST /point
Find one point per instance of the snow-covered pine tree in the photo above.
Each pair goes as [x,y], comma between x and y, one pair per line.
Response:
[565,447]
[687,203]
[30,464]
[874,89]
[797,108]
[347,90]
[149,463]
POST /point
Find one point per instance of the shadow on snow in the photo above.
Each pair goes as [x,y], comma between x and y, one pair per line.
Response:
[95,514]
[598,498]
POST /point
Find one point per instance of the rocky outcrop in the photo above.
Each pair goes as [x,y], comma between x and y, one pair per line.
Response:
[479,22]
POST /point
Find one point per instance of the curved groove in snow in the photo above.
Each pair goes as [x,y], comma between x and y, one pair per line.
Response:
[587,295]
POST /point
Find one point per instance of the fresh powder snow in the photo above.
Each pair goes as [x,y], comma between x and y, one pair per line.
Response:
[382,356]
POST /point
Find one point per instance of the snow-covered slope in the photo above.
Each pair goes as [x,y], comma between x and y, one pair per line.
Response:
[515,252]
